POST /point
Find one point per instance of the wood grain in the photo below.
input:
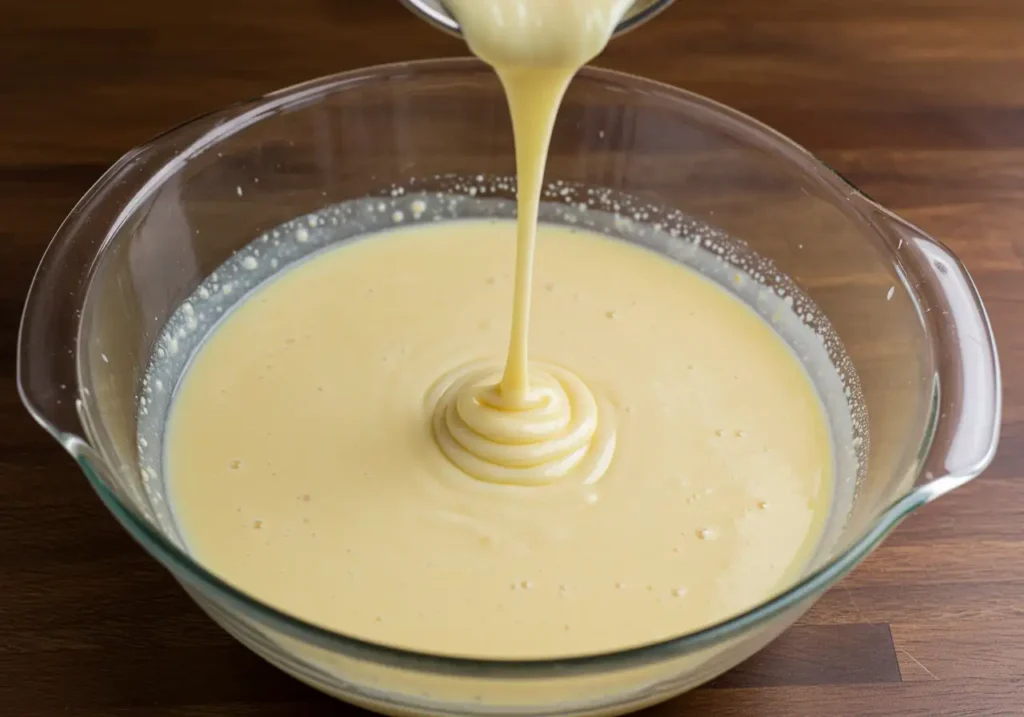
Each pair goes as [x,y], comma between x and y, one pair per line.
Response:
[919,102]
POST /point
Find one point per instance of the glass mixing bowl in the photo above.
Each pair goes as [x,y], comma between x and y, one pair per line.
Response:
[897,311]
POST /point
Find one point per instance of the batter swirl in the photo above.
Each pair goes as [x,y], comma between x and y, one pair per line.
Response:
[557,431]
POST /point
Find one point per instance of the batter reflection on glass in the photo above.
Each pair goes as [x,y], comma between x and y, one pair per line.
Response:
[360,436]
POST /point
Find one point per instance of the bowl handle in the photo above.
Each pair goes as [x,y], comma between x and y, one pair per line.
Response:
[48,339]
[969,407]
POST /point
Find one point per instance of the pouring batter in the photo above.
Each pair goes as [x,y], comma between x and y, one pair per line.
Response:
[517,430]
[636,485]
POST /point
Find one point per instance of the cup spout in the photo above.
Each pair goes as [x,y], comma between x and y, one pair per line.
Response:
[436,14]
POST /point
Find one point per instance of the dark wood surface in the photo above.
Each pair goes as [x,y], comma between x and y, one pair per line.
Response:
[919,102]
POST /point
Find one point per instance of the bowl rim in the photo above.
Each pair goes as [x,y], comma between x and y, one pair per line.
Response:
[191,573]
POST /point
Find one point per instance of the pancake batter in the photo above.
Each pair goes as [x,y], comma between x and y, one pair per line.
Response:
[348,447]
[303,466]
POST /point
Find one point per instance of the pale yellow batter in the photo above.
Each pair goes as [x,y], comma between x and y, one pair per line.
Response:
[351,447]
[303,466]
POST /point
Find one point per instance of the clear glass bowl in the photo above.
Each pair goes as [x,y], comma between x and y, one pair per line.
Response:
[893,302]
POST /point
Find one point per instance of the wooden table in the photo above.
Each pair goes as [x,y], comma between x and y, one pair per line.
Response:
[920,102]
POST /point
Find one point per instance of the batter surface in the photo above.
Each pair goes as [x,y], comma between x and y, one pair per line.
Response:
[303,467]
